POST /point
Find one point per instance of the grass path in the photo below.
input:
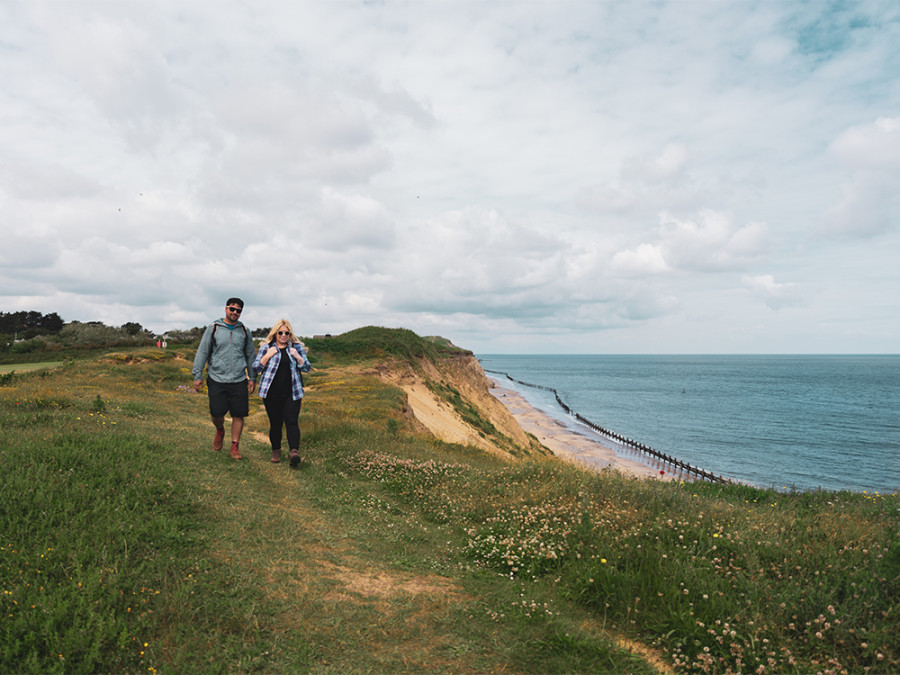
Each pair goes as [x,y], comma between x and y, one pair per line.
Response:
[26,367]
[355,597]
[354,593]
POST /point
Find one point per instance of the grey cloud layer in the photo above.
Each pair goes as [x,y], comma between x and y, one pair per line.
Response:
[635,176]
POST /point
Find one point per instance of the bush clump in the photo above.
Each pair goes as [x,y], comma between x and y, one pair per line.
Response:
[376,341]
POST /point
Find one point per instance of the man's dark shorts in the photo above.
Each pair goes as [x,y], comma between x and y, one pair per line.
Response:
[231,397]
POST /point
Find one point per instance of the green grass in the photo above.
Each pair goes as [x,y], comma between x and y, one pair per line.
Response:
[375,341]
[10,368]
[54,351]
[128,546]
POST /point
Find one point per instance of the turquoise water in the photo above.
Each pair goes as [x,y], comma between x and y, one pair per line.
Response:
[788,422]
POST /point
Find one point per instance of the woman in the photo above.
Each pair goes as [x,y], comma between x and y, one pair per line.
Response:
[281,358]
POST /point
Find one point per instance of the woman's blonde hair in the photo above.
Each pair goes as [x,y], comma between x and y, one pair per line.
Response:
[278,324]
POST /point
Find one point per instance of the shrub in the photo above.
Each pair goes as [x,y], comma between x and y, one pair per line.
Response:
[97,334]
[376,341]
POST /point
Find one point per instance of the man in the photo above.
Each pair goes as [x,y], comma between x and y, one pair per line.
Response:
[226,349]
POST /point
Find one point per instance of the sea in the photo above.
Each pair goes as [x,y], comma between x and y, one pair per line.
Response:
[792,423]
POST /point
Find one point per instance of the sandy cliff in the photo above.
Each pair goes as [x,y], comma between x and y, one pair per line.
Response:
[515,429]
[430,392]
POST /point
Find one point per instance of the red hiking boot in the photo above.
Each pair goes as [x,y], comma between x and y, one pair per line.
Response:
[217,441]
[235,453]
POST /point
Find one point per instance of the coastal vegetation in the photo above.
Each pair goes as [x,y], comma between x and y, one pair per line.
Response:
[31,335]
[129,546]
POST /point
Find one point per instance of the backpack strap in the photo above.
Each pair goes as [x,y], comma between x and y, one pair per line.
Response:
[212,342]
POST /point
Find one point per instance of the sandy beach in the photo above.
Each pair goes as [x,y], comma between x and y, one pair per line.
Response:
[568,444]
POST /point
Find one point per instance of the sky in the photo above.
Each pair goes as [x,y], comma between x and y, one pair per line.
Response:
[519,176]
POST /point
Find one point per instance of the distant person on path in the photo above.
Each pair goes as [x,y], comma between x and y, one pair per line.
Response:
[281,358]
[226,350]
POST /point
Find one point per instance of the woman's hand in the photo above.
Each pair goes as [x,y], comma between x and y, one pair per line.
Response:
[268,355]
[293,352]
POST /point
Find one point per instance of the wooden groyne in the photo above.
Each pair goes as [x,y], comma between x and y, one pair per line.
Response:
[641,448]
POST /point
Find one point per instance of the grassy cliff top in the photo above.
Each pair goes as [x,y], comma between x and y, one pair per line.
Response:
[128,545]
[374,341]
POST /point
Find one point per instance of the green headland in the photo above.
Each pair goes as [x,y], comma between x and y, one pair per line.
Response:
[128,545]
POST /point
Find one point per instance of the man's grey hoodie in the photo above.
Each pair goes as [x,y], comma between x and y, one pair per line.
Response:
[230,357]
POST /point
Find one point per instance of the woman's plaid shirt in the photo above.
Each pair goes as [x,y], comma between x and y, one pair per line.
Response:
[268,370]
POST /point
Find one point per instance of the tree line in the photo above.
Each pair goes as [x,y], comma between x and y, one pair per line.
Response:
[29,324]
[29,331]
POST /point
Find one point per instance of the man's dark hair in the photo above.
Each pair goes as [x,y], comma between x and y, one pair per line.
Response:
[236,301]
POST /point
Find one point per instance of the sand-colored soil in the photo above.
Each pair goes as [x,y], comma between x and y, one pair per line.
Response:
[439,417]
[569,444]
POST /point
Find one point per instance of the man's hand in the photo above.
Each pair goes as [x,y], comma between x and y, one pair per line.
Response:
[198,385]
[251,385]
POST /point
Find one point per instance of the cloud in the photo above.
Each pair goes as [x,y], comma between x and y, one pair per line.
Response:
[645,184]
[871,146]
[113,62]
[476,261]
[870,202]
[350,221]
[34,181]
[664,168]
[640,261]
[28,248]
[709,241]
[394,101]
[775,295]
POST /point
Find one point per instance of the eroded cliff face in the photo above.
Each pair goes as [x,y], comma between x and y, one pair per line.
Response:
[452,400]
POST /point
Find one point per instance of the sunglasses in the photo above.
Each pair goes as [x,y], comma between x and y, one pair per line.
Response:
[237,310]
[284,332]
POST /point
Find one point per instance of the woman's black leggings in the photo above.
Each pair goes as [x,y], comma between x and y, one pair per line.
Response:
[283,410]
